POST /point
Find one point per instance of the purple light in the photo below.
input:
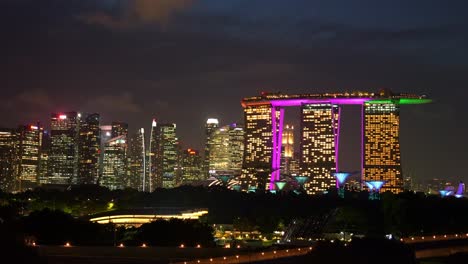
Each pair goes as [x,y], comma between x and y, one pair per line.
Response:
[341,178]
[461,189]
[279,143]
[362,143]
[298,102]
[337,139]
[273,151]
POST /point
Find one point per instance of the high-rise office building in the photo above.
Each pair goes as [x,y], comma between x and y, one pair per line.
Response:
[166,156]
[137,162]
[106,134]
[63,156]
[29,155]
[43,176]
[152,150]
[211,125]
[191,166]
[319,130]
[89,149]
[114,173]
[8,160]
[381,161]
[258,147]
[287,150]
[226,150]
[119,129]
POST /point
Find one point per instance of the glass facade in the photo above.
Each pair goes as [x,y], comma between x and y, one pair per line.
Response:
[136,165]
[227,150]
[8,162]
[115,164]
[89,149]
[167,157]
[191,166]
[29,155]
[63,156]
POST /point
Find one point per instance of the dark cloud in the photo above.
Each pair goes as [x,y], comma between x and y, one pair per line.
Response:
[136,13]
[185,61]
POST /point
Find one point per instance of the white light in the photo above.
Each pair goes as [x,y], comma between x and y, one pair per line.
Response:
[108,134]
[154,123]
[212,121]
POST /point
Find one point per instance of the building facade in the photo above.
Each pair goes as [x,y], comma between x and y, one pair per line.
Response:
[257,147]
[191,166]
[381,160]
[8,160]
[63,156]
[287,151]
[212,124]
[226,151]
[137,163]
[167,156]
[319,130]
[29,156]
[89,149]
[114,175]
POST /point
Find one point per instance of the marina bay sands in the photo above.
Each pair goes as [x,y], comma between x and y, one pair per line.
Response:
[320,136]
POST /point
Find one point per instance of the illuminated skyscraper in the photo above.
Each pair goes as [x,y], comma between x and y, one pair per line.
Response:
[152,150]
[258,147]
[119,129]
[29,155]
[211,125]
[191,166]
[226,150]
[166,156]
[287,153]
[43,177]
[89,149]
[8,160]
[106,134]
[381,145]
[63,156]
[114,173]
[137,163]
[319,132]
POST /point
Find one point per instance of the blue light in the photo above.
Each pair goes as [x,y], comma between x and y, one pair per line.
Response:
[376,184]
[280,185]
[445,193]
[370,186]
[459,195]
[301,179]
[341,176]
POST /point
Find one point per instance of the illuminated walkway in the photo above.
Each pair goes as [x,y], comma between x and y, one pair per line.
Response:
[254,257]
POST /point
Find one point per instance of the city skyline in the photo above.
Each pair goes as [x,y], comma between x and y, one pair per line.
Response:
[132,64]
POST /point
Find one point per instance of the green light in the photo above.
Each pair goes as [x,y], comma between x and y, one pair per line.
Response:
[415,101]
[402,101]
[382,101]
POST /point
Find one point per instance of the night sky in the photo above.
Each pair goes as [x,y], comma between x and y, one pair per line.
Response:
[183,61]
